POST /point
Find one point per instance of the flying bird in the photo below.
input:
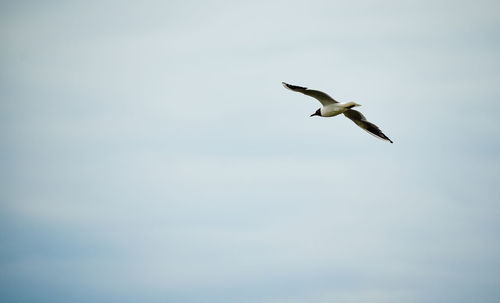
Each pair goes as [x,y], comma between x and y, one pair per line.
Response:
[332,108]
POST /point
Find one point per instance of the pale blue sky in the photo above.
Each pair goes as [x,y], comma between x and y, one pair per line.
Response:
[150,154]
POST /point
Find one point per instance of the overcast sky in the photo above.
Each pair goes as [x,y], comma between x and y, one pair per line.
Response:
[150,154]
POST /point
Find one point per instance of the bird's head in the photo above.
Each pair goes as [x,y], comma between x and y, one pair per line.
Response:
[316,113]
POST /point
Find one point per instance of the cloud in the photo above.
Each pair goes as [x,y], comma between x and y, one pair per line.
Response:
[151,154]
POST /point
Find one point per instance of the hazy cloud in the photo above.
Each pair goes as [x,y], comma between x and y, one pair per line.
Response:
[151,154]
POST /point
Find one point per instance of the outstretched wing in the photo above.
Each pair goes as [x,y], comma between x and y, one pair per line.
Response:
[361,121]
[318,95]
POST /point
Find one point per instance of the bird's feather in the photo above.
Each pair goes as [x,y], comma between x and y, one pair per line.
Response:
[322,97]
[361,121]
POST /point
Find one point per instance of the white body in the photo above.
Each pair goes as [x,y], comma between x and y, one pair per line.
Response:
[334,109]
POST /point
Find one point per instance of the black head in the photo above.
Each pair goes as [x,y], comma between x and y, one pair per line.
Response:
[317,113]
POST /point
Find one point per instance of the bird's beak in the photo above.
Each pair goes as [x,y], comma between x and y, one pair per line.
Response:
[316,113]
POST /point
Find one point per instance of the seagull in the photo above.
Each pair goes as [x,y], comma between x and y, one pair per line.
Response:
[333,108]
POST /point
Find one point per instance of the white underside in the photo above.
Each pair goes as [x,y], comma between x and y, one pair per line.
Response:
[333,110]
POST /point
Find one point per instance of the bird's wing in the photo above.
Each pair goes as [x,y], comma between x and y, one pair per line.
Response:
[361,121]
[320,96]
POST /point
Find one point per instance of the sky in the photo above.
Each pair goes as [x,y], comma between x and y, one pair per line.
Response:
[149,152]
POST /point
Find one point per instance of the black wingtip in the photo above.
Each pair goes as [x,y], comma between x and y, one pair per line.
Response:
[293,87]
